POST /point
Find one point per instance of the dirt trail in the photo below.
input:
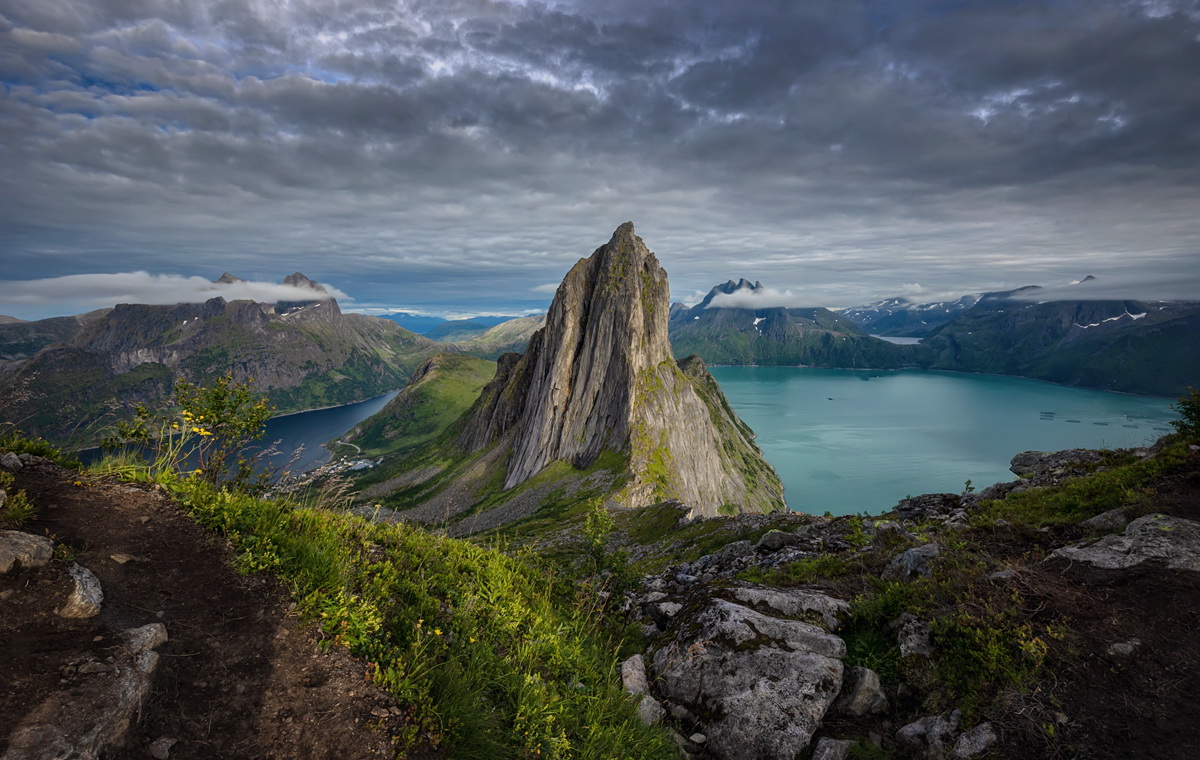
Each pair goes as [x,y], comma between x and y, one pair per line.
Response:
[240,677]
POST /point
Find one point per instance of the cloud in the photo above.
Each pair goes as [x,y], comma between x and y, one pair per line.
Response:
[1182,286]
[550,287]
[100,290]
[445,155]
[767,298]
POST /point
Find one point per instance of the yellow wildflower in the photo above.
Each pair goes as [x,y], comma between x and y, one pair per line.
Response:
[437,631]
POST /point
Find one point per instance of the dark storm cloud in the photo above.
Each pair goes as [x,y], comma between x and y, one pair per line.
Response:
[463,154]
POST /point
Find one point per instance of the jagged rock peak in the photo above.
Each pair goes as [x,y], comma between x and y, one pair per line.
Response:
[600,377]
[228,279]
[730,287]
[300,281]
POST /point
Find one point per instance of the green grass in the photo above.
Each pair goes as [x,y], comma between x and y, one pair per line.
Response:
[1122,485]
[17,509]
[426,408]
[499,655]
[17,442]
[807,570]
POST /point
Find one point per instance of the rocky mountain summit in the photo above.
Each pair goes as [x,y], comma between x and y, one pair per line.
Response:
[597,387]
[600,376]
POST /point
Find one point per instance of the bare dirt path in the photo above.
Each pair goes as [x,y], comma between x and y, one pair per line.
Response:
[240,677]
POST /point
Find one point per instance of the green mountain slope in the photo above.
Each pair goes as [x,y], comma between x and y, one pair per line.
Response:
[301,355]
[512,335]
[438,393]
[1127,346]
[812,337]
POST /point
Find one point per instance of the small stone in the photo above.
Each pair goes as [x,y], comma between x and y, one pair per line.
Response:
[87,596]
[24,548]
[395,711]
[380,712]
[1000,522]
[975,742]
[912,563]
[862,693]
[633,675]
[832,749]
[93,667]
[1124,648]
[10,461]
[121,559]
[144,519]
[1112,521]
[7,594]
[97,638]
[915,636]
[698,738]
[1002,575]
[160,748]
[662,612]
[650,710]
[774,540]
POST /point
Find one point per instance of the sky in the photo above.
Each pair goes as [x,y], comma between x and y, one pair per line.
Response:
[458,156]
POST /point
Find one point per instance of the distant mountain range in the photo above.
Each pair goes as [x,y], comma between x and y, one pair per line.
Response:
[1129,346]
[439,328]
[70,376]
[814,337]
[901,317]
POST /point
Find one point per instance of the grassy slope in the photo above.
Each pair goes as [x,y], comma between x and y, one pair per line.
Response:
[425,407]
[512,335]
[498,654]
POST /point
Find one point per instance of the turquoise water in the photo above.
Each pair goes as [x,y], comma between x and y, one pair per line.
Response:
[844,441]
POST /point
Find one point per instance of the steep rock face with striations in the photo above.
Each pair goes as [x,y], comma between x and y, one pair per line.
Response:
[600,376]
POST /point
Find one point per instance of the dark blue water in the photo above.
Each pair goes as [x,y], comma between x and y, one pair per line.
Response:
[311,430]
[298,439]
[846,442]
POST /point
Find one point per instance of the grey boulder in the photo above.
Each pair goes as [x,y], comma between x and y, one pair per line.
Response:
[25,549]
[1158,539]
[912,563]
[801,604]
[768,682]
[86,597]
[862,694]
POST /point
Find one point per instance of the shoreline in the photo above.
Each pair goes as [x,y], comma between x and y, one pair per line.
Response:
[334,406]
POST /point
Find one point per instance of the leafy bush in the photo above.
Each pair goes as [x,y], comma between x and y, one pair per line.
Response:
[207,434]
[1189,409]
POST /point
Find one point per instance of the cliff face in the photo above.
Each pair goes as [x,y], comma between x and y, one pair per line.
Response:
[600,376]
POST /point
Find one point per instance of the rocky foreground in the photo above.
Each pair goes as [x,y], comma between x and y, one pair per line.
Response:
[955,626]
[743,669]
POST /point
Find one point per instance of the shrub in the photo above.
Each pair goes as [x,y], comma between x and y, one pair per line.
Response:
[1189,409]
[206,434]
